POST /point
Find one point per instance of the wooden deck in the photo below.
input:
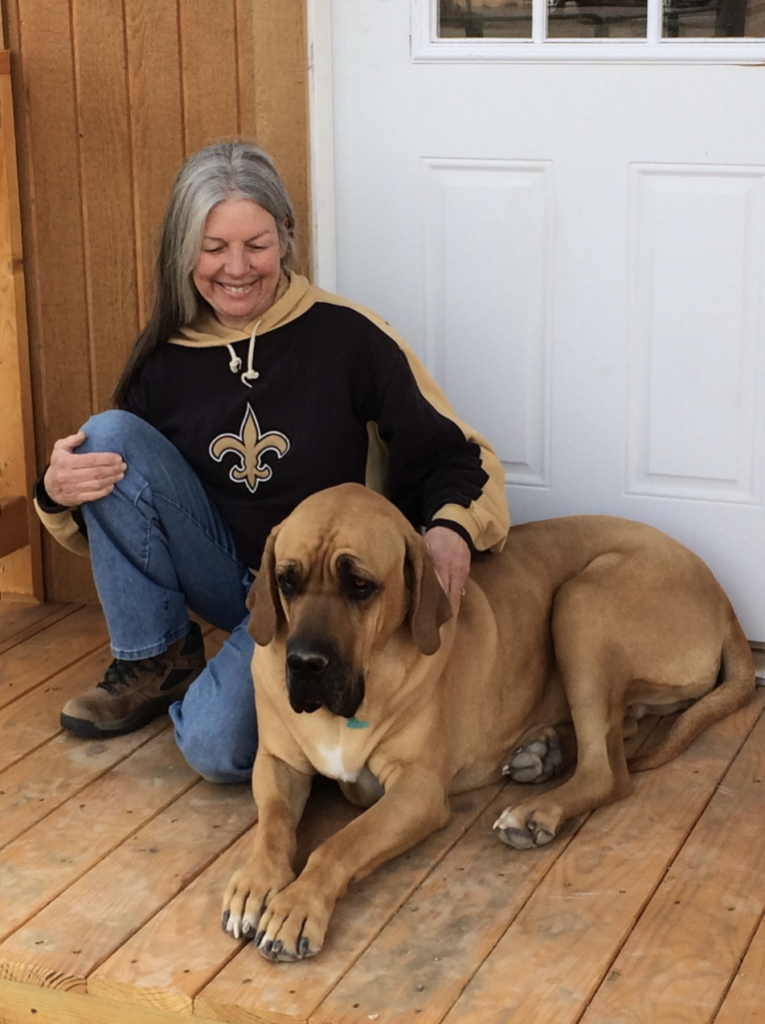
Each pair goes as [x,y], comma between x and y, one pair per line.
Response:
[113,857]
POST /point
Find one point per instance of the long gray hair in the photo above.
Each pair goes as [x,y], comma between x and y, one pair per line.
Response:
[218,172]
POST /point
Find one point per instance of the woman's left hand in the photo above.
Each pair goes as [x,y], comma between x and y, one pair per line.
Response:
[451,558]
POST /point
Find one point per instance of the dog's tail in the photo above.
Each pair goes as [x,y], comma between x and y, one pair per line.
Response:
[734,691]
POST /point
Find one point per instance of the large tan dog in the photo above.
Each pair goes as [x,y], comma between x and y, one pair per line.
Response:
[363,674]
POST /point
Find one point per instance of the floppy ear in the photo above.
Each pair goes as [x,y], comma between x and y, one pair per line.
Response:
[263,598]
[430,607]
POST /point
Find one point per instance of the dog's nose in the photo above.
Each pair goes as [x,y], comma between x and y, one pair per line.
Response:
[307,663]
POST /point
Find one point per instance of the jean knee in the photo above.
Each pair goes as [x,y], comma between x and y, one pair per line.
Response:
[219,754]
[109,430]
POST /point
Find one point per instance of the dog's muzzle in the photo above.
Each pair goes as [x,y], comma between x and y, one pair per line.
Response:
[317,676]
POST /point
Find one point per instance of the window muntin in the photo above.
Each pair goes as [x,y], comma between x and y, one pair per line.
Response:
[672,31]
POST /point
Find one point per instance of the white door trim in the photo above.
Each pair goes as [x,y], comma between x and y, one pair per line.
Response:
[321,142]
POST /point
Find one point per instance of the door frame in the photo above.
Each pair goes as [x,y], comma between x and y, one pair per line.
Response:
[321,143]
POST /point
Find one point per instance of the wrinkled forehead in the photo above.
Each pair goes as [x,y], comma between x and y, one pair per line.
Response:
[322,533]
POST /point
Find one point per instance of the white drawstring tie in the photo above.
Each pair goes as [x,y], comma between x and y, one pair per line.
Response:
[235,364]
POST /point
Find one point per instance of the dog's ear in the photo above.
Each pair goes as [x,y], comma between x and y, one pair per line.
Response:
[430,607]
[263,599]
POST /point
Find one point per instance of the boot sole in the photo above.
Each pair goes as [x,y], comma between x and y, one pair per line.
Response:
[122,726]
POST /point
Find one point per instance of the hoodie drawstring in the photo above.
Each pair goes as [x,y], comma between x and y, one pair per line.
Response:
[235,363]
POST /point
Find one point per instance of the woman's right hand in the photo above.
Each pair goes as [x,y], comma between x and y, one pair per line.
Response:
[72,479]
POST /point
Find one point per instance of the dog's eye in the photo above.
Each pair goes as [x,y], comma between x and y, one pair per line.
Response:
[360,588]
[287,585]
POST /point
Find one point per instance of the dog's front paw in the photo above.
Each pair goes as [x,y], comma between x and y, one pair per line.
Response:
[247,896]
[537,759]
[523,829]
[294,923]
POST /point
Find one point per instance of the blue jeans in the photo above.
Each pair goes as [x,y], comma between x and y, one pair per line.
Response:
[160,547]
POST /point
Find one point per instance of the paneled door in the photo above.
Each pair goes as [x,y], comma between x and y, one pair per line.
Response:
[561,205]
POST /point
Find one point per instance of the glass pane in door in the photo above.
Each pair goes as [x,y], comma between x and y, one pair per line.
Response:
[597,19]
[714,19]
[484,19]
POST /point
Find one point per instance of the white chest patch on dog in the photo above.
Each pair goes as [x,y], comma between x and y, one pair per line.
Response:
[334,766]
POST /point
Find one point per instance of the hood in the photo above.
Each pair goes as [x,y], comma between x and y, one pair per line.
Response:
[293,297]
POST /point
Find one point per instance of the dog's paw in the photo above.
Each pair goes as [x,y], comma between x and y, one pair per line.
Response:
[537,760]
[246,898]
[294,923]
[520,829]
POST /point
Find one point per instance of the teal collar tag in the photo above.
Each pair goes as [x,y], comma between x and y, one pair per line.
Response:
[354,723]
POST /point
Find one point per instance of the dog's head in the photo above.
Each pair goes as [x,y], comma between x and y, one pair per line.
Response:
[339,577]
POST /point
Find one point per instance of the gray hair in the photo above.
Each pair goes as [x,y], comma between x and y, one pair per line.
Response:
[215,173]
[218,172]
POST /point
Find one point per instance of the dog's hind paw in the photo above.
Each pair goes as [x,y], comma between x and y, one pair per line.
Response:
[537,760]
[521,833]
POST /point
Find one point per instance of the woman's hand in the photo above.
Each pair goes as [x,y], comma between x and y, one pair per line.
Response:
[451,558]
[72,479]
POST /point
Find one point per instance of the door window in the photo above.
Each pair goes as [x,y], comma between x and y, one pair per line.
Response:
[647,30]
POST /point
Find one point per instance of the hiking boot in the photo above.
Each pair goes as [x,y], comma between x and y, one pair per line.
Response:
[133,692]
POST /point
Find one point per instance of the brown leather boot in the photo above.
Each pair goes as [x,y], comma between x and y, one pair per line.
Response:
[133,692]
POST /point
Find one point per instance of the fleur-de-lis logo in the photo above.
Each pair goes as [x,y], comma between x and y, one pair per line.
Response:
[249,446]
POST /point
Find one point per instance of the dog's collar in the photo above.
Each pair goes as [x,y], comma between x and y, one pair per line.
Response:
[355,723]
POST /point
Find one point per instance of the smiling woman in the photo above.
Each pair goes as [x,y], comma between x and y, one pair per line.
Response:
[239,265]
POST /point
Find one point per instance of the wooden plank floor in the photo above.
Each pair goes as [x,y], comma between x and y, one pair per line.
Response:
[114,855]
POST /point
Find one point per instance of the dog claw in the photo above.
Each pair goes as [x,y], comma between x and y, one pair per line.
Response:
[224,921]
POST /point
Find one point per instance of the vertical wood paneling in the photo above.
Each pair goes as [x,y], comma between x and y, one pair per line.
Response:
[54,255]
[156,121]
[274,87]
[209,72]
[110,97]
[107,189]
[20,571]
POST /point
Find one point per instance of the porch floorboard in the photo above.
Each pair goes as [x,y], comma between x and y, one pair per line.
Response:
[114,856]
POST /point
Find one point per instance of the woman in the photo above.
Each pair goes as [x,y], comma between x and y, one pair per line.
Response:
[248,390]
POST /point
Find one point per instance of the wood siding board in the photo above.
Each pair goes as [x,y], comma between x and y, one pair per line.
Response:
[245,48]
[280,88]
[107,189]
[21,573]
[156,112]
[209,71]
[71,76]
[46,39]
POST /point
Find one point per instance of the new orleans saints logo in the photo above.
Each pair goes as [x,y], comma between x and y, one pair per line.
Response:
[249,447]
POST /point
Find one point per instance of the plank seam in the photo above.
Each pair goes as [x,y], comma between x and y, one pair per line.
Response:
[680,847]
[55,615]
[4,936]
[75,792]
[52,675]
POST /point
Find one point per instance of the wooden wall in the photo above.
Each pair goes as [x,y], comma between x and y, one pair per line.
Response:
[110,97]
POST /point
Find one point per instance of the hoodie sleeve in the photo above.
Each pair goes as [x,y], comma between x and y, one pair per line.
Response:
[439,462]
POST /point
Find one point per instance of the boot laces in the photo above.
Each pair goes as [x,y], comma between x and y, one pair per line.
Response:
[120,673]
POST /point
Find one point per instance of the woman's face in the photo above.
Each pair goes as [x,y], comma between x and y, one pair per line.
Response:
[239,265]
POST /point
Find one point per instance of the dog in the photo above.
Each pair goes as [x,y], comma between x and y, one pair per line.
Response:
[363,673]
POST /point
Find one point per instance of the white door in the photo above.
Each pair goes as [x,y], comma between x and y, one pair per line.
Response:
[570,228]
